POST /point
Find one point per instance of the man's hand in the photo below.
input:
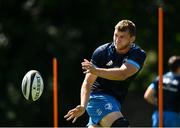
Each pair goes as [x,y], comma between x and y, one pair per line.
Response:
[75,113]
[88,67]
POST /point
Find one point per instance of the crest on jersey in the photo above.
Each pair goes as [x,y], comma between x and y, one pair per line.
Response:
[108,106]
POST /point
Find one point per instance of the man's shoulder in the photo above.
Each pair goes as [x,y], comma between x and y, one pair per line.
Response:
[137,50]
[136,47]
[104,47]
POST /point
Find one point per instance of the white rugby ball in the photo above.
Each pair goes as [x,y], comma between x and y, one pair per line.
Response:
[32,85]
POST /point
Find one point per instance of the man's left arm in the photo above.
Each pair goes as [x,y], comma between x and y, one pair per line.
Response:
[122,73]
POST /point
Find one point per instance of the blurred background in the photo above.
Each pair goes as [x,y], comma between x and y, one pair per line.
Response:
[32,32]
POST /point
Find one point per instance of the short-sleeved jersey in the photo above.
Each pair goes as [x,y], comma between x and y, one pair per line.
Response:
[106,56]
[171,91]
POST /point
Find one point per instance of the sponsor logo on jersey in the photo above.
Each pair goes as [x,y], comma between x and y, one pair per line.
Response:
[109,63]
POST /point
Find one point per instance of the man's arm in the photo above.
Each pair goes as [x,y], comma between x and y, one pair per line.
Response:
[86,88]
[149,96]
[122,73]
[79,110]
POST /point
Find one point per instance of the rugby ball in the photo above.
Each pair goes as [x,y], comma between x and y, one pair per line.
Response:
[32,85]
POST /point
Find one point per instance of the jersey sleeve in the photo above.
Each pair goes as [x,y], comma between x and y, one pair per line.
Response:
[97,56]
[137,58]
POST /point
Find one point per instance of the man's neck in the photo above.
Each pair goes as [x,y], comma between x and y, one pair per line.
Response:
[123,51]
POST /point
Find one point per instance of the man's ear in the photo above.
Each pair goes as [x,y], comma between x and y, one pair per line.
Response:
[133,39]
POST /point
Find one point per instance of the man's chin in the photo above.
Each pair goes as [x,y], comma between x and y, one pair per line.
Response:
[120,48]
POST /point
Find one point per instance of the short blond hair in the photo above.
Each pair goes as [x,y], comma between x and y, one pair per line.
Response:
[126,25]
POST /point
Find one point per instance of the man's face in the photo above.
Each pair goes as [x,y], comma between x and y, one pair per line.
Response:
[122,40]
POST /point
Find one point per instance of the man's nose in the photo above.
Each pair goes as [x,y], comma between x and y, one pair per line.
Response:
[119,39]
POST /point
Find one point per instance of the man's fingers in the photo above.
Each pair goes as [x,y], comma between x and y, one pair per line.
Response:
[69,118]
[85,64]
[74,120]
[69,113]
[87,71]
[66,116]
[86,60]
[86,67]
[73,114]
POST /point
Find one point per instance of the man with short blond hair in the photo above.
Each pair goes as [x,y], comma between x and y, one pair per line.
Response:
[112,68]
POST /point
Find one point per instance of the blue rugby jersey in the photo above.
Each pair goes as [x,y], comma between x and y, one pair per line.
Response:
[171,91]
[106,56]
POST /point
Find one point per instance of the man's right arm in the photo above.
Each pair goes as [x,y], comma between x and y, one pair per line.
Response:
[79,110]
[86,88]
